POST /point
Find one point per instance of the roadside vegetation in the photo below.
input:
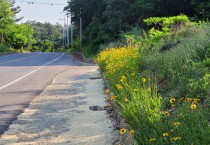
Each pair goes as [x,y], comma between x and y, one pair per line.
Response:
[103,21]
[26,37]
[161,82]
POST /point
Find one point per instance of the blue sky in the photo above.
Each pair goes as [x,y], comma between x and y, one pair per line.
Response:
[42,12]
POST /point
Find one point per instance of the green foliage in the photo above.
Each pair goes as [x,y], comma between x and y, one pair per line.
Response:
[166,21]
[76,46]
[47,46]
[165,26]
[109,18]
[6,19]
[180,74]
[20,36]
[180,71]
[48,37]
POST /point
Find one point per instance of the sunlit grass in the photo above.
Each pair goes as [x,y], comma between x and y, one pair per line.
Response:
[151,119]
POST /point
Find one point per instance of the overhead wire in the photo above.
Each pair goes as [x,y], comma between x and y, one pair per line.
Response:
[33,2]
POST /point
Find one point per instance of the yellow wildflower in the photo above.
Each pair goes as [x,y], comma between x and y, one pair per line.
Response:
[126,100]
[107,91]
[195,101]
[193,106]
[176,138]
[122,130]
[166,113]
[132,132]
[177,124]
[119,86]
[121,80]
[144,80]
[149,89]
[112,98]
[172,100]
[165,134]
[188,99]
[123,77]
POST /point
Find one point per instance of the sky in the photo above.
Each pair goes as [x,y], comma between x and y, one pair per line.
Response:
[41,12]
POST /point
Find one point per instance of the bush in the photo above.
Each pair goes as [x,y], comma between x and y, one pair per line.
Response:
[6,49]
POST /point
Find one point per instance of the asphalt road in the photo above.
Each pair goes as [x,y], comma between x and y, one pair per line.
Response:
[24,76]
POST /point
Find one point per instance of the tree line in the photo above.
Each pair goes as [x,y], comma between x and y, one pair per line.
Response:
[29,36]
[105,20]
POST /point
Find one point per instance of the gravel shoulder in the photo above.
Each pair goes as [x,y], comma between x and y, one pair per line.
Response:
[60,115]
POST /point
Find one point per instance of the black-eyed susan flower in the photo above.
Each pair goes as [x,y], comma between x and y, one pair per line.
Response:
[132,132]
[152,139]
[123,77]
[188,99]
[166,113]
[112,98]
[165,134]
[119,87]
[122,130]
[172,100]
[193,106]
[177,124]
[144,80]
[107,91]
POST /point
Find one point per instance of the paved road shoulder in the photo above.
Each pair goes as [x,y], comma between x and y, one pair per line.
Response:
[61,115]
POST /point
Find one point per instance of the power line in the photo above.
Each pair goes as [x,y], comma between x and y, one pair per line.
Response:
[32,2]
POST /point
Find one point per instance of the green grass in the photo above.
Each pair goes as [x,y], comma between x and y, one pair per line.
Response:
[163,95]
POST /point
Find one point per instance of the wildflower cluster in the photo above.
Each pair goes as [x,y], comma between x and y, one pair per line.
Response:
[123,131]
[137,99]
[114,61]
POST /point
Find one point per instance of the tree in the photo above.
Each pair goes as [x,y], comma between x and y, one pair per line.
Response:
[112,17]
[15,10]
[20,35]
[47,36]
[6,19]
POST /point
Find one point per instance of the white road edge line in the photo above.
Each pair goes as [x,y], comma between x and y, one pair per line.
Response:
[30,73]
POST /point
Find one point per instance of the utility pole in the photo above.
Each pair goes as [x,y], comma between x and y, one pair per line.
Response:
[80,28]
[72,29]
[63,32]
[67,30]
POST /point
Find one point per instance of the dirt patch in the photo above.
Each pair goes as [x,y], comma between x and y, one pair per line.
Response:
[81,58]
